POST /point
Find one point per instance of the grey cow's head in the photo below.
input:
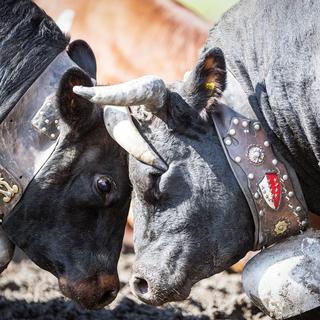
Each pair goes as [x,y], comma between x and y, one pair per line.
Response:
[191,218]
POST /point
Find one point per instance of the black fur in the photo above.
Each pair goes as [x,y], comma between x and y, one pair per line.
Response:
[29,41]
[63,222]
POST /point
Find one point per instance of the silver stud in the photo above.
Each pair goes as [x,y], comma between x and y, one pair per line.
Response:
[257,195]
[44,129]
[244,123]
[232,132]
[266,144]
[298,209]
[52,135]
[58,127]
[261,213]
[250,176]
[235,121]
[228,142]
[237,159]
[56,121]
[256,126]
[41,113]
[285,177]
[304,223]
[46,121]
[274,162]
[290,194]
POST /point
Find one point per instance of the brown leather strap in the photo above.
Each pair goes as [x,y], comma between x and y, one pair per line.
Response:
[268,182]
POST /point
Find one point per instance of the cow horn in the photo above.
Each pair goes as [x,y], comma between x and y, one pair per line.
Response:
[121,128]
[149,91]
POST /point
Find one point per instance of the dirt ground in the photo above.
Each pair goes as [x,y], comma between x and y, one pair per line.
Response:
[28,292]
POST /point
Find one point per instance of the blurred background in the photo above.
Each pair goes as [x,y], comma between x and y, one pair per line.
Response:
[134,37]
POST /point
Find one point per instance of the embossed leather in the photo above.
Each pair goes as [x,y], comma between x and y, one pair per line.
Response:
[268,182]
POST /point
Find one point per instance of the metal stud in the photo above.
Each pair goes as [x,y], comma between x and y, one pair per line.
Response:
[250,176]
[58,127]
[237,159]
[256,126]
[257,195]
[290,194]
[56,121]
[281,227]
[304,223]
[44,129]
[261,213]
[52,135]
[244,123]
[274,162]
[298,209]
[228,142]
[232,132]
[285,177]
[266,144]
[235,121]
[46,121]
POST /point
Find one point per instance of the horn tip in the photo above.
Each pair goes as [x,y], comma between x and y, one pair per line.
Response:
[84,92]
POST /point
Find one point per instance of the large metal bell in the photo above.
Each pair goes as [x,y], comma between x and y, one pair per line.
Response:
[6,250]
[284,280]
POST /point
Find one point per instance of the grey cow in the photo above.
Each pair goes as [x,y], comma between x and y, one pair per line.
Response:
[191,217]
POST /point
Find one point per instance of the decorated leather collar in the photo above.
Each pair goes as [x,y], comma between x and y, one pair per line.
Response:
[268,182]
[30,133]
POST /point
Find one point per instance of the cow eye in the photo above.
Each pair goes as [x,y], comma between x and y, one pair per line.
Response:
[104,185]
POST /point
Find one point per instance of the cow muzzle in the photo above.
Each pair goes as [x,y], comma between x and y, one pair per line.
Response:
[157,291]
[92,293]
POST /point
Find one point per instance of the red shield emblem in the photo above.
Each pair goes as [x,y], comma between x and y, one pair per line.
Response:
[270,188]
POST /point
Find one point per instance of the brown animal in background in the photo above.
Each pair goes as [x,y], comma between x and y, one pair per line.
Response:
[133,37]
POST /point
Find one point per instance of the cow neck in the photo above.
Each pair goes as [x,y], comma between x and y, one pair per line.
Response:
[266,179]
[30,133]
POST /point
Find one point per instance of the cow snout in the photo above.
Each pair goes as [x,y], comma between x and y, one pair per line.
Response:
[141,288]
[92,293]
[157,294]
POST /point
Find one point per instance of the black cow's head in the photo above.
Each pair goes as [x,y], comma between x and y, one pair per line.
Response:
[191,218]
[71,218]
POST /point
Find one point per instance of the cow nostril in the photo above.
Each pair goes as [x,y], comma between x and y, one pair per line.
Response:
[141,285]
[107,297]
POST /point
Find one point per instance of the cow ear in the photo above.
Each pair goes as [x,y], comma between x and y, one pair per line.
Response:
[207,80]
[75,110]
[81,53]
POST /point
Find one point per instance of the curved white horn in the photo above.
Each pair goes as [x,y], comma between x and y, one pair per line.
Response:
[121,128]
[149,91]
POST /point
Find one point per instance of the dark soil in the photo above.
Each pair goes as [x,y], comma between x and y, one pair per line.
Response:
[28,292]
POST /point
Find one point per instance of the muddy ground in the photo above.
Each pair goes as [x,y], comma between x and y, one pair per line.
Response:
[28,292]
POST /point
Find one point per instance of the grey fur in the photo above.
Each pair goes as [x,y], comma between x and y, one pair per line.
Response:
[193,221]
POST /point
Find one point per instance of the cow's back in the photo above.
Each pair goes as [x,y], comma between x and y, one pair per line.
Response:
[272,47]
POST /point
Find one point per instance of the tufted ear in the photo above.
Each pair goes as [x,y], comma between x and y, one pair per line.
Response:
[75,110]
[207,79]
[81,53]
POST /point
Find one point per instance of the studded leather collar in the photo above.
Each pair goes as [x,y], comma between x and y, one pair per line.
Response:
[268,182]
[30,133]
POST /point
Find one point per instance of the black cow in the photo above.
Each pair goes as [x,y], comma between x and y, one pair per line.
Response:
[191,217]
[71,217]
